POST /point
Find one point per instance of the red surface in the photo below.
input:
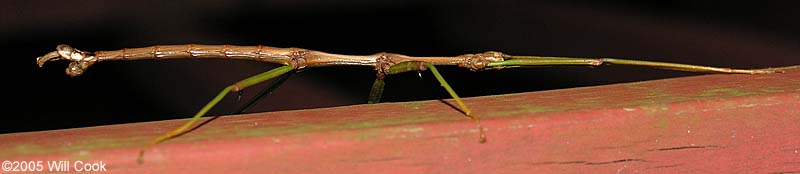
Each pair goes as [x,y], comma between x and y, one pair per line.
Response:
[702,124]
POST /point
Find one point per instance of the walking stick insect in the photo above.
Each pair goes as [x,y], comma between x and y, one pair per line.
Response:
[294,59]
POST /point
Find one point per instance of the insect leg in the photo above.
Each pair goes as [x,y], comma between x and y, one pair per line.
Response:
[540,61]
[377,87]
[235,87]
[408,66]
[377,91]
[460,103]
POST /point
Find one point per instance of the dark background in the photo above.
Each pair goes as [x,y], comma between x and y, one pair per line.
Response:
[719,33]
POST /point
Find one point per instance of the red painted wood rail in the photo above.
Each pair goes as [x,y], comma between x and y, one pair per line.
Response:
[702,124]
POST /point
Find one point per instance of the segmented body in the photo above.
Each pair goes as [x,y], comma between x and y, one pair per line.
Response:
[296,57]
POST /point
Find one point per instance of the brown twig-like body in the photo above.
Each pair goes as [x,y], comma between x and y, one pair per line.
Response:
[296,57]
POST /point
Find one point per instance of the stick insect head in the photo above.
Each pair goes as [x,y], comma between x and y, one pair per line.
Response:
[80,60]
